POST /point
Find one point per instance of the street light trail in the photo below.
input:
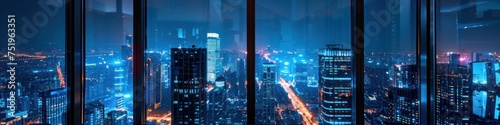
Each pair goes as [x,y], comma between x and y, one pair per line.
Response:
[61,77]
[307,116]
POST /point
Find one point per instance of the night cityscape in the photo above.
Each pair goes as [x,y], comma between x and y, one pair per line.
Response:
[196,63]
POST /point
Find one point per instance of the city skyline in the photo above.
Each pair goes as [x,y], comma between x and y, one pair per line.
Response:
[195,64]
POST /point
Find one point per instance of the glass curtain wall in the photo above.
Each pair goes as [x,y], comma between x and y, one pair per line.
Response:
[32,82]
[108,63]
[467,62]
[303,64]
[195,62]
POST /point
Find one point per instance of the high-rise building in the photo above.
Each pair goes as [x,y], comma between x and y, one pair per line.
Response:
[454,59]
[335,95]
[213,56]
[216,111]
[188,81]
[52,105]
[404,95]
[265,98]
[94,113]
[242,77]
[485,98]
[453,94]
[153,81]
[117,117]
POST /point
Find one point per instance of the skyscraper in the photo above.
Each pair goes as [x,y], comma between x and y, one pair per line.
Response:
[335,97]
[52,105]
[485,98]
[117,117]
[216,114]
[153,81]
[189,77]
[213,57]
[454,59]
[265,98]
[452,94]
[94,113]
[404,94]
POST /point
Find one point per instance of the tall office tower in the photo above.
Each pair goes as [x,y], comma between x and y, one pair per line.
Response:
[153,81]
[476,57]
[335,97]
[485,98]
[454,59]
[117,117]
[119,85]
[188,81]
[213,58]
[165,77]
[216,103]
[94,113]
[301,76]
[265,99]
[404,94]
[452,95]
[51,105]
[242,77]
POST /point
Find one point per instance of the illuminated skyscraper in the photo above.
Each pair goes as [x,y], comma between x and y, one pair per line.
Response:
[335,97]
[265,98]
[404,95]
[485,98]
[213,57]
[453,93]
[216,104]
[52,105]
[94,113]
[117,117]
[153,81]
[189,77]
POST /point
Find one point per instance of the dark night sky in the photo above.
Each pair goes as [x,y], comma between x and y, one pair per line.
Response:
[51,34]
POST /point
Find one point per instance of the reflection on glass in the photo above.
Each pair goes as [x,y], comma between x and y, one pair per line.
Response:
[467,63]
[303,62]
[196,62]
[32,80]
[391,83]
[108,63]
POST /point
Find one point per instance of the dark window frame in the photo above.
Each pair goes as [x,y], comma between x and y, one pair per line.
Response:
[75,51]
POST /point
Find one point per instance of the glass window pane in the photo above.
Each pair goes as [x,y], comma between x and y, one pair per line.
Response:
[303,62]
[391,83]
[32,80]
[108,62]
[195,68]
[467,63]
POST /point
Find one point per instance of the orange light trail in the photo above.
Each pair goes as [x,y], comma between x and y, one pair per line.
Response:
[307,116]
[210,87]
[266,56]
[167,117]
[61,77]
[279,110]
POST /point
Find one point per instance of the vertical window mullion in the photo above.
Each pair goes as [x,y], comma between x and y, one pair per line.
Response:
[357,45]
[75,51]
[251,62]
[425,61]
[139,45]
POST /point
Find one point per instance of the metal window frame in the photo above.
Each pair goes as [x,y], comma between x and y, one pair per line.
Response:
[358,50]
[251,62]
[426,51]
[75,51]
[139,45]
[75,60]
